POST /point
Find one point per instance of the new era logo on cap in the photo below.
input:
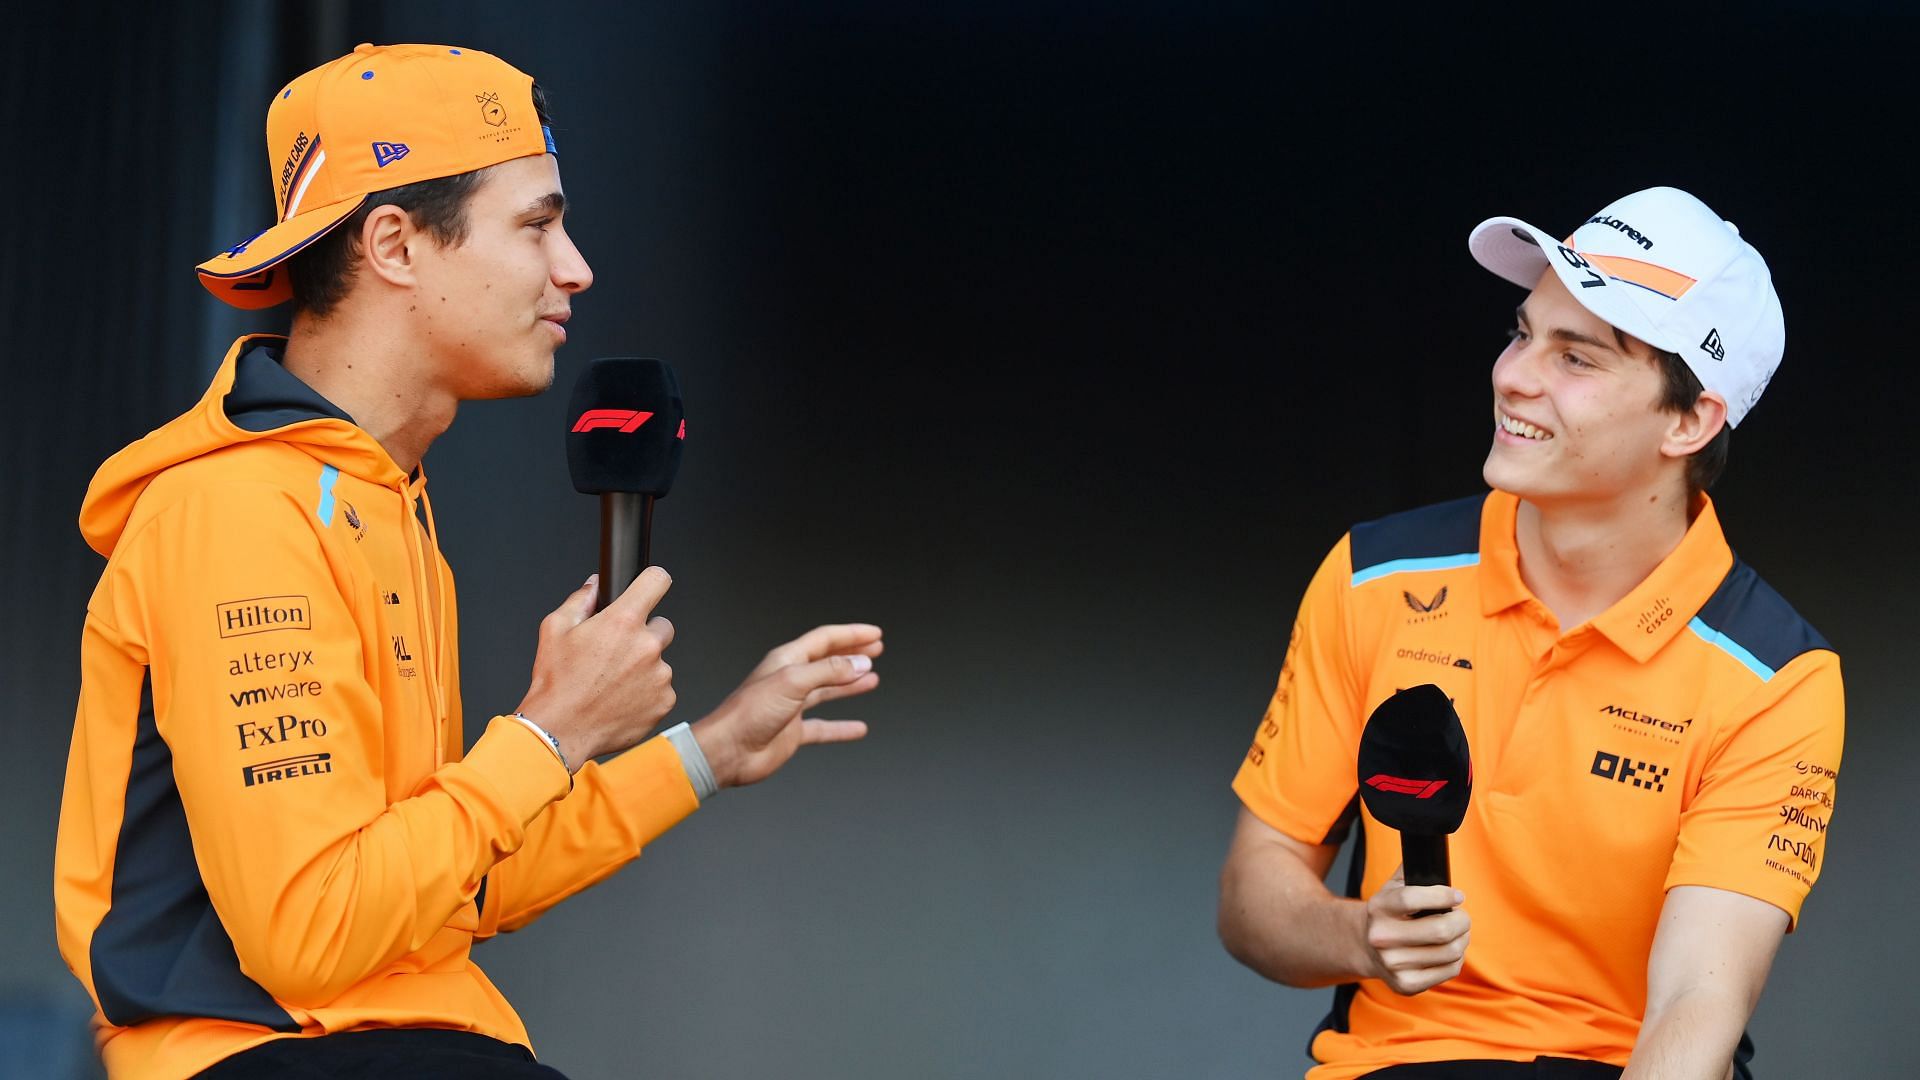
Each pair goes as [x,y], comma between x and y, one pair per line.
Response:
[386,153]
[1712,346]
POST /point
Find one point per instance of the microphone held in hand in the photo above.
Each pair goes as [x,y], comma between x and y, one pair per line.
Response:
[626,425]
[1416,776]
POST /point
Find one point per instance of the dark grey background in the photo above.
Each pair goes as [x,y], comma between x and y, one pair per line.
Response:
[1062,340]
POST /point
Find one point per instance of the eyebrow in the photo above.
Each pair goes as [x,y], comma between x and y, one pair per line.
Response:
[1563,334]
[553,202]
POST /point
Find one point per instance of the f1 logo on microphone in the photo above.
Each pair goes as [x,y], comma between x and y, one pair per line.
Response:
[1419,789]
[626,420]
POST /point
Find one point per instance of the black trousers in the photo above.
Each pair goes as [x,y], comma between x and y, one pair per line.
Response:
[1544,1068]
[390,1054]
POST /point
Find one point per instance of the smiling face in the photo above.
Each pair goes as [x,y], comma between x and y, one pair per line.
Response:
[491,309]
[1576,411]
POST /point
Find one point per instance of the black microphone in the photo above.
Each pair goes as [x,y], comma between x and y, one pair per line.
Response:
[626,427]
[1416,777]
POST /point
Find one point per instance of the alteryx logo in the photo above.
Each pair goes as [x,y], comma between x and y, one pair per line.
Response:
[386,153]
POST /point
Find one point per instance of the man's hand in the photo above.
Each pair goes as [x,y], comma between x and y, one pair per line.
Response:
[600,683]
[1413,954]
[760,725]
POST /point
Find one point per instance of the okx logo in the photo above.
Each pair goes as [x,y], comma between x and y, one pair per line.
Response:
[1644,775]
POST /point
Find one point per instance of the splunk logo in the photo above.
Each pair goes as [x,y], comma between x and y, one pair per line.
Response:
[1646,719]
[238,618]
[272,772]
[1644,775]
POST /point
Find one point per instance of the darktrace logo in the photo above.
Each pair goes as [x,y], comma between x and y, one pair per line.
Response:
[238,618]
[1645,720]
[626,421]
[491,111]
[1802,850]
[272,772]
[386,153]
[280,729]
[1430,656]
[1622,227]
[1400,785]
[1811,794]
[1713,347]
[289,661]
[1425,610]
[1619,768]
[260,695]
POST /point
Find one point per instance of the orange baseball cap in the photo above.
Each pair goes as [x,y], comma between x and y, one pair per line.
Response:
[377,118]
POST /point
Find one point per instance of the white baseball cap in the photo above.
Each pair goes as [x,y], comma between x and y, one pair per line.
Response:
[1658,264]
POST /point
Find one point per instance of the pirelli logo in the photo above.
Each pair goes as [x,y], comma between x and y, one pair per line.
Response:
[270,772]
[238,618]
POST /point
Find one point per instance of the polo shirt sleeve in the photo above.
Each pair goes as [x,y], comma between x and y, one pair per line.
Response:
[1299,775]
[1757,820]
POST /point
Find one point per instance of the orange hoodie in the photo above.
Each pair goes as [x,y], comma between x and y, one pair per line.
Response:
[268,828]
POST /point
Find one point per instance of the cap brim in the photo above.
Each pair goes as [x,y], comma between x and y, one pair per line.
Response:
[1520,253]
[249,275]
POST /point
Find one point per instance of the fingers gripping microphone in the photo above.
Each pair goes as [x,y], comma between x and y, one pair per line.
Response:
[1416,777]
[625,430]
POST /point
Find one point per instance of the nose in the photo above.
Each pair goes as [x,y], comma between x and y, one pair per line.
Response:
[1516,373]
[570,270]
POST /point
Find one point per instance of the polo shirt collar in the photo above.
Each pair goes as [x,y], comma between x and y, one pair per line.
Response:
[1644,620]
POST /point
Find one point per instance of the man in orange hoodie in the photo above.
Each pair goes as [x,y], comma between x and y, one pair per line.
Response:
[274,856]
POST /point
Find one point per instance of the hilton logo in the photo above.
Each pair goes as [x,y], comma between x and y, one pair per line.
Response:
[268,772]
[263,613]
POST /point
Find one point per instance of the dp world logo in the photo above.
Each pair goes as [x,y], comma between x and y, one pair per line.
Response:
[386,153]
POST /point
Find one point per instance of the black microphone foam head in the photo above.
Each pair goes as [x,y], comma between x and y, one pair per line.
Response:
[1415,773]
[625,427]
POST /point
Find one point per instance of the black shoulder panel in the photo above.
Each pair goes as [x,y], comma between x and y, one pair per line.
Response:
[1747,612]
[1448,528]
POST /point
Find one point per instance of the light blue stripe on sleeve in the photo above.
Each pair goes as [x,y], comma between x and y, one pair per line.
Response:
[328,474]
[1731,647]
[1401,566]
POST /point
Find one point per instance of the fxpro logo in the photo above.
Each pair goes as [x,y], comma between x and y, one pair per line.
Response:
[1647,719]
[292,768]
[260,614]
[260,695]
[280,729]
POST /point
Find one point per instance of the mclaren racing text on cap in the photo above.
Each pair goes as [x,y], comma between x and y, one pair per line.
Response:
[379,117]
[1658,264]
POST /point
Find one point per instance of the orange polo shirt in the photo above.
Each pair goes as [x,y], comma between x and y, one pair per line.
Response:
[1688,735]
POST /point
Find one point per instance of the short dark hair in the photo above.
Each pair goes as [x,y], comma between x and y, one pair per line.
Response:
[1680,389]
[322,273]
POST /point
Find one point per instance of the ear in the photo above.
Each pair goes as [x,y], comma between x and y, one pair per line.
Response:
[388,243]
[1696,427]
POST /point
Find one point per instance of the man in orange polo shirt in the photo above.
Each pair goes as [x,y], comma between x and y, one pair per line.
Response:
[1655,733]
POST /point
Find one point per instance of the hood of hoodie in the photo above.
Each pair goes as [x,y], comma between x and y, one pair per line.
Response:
[252,397]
